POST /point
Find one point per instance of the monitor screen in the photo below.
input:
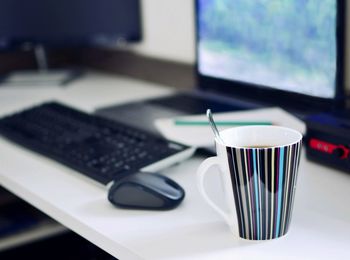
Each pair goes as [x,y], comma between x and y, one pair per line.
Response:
[68,22]
[290,45]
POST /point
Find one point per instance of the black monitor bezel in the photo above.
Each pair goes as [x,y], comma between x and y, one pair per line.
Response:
[14,43]
[270,96]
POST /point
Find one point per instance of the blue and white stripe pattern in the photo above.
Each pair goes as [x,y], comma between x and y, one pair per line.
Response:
[263,181]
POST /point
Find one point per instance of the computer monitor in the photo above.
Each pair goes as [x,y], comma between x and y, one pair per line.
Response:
[287,52]
[67,23]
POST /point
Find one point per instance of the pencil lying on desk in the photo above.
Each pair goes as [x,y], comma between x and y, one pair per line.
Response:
[220,123]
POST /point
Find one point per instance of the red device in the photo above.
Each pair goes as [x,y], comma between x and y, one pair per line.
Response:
[327,140]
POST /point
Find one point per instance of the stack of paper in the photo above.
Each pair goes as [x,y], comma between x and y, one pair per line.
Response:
[202,136]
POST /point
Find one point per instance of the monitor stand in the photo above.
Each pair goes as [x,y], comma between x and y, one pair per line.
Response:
[43,76]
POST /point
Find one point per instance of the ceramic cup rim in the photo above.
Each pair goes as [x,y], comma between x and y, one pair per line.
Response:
[298,135]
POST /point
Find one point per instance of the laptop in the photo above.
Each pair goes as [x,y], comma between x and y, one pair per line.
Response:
[252,54]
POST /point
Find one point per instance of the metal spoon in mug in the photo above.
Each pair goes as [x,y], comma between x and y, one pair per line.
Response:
[213,126]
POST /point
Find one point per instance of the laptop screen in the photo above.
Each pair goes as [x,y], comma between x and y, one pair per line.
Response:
[289,45]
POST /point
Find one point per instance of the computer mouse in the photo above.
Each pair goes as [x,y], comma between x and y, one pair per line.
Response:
[144,190]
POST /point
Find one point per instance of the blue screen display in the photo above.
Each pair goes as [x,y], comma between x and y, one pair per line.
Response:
[281,44]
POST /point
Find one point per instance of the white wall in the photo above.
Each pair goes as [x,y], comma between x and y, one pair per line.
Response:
[168,27]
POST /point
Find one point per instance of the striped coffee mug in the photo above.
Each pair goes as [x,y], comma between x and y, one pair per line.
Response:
[258,165]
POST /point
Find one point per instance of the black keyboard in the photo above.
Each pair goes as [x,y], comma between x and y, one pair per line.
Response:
[97,147]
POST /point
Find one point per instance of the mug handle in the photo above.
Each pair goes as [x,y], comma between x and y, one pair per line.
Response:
[201,172]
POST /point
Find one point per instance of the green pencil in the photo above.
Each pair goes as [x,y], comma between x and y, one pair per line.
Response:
[220,123]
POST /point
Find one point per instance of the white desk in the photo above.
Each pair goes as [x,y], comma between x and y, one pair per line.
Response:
[320,226]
